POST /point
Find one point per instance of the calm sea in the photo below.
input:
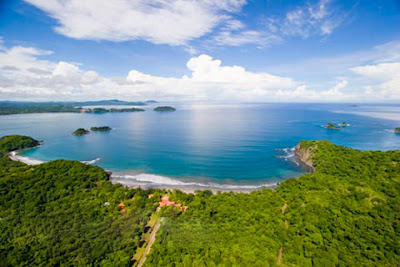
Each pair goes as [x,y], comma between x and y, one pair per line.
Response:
[202,143]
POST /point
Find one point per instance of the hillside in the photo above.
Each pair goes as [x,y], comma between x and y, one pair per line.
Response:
[345,213]
[67,213]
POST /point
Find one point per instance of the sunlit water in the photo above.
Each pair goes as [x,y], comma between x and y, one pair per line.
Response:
[229,144]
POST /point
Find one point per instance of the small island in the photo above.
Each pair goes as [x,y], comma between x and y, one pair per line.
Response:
[332,126]
[80,131]
[101,129]
[164,109]
[396,130]
[344,124]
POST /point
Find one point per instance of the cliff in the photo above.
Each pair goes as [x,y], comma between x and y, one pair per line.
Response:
[305,152]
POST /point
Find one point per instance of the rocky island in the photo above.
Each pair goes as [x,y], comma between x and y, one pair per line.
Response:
[80,131]
[164,109]
[396,130]
[101,129]
[332,126]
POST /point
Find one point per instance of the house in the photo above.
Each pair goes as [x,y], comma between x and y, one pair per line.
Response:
[165,203]
[122,206]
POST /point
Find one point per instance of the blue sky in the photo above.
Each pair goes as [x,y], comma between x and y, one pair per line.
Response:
[323,50]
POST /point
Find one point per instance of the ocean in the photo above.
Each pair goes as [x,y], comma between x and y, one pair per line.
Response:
[223,146]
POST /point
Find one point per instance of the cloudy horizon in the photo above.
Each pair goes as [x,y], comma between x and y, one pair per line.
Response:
[199,50]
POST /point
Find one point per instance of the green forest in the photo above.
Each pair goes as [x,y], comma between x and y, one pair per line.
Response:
[17,107]
[345,213]
[66,213]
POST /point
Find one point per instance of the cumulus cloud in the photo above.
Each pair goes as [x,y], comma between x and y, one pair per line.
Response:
[381,79]
[172,22]
[25,74]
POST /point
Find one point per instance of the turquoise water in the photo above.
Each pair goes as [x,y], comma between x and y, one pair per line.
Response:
[245,144]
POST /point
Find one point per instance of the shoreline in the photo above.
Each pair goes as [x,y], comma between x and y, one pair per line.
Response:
[304,157]
[13,155]
[152,181]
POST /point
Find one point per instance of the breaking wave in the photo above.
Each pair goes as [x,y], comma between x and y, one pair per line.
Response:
[14,156]
[152,180]
[288,154]
[90,162]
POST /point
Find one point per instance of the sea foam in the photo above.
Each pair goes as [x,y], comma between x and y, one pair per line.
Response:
[90,162]
[153,180]
[14,156]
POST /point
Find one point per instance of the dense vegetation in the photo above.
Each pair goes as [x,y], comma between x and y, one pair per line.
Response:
[346,213]
[8,108]
[165,108]
[66,213]
[16,142]
[80,131]
[101,129]
[397,130]
[332,126]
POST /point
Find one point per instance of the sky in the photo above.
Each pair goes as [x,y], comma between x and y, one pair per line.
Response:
[204,50]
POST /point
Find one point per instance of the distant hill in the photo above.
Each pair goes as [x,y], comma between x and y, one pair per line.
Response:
[113,102]
[22,107]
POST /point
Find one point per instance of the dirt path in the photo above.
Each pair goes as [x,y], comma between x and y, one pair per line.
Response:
[284,208]
[150,243]
[280,257]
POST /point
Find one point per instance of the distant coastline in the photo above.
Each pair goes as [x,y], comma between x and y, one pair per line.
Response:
[19,107]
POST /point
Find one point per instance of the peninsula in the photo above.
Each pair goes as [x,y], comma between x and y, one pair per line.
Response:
[17,107]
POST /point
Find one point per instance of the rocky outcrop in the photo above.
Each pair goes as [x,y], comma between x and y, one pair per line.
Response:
[305,153]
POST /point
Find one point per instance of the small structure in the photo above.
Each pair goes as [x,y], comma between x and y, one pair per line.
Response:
[166,203]
[122,206]
[151,195]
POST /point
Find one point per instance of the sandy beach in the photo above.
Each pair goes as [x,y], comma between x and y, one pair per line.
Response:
[147,181]
[14,156]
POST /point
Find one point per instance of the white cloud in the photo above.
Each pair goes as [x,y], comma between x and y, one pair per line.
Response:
[24,74]
[382,80]
[320,18]
[205,69]
[238,38]
[66,69]
[382,71]
[172,22]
